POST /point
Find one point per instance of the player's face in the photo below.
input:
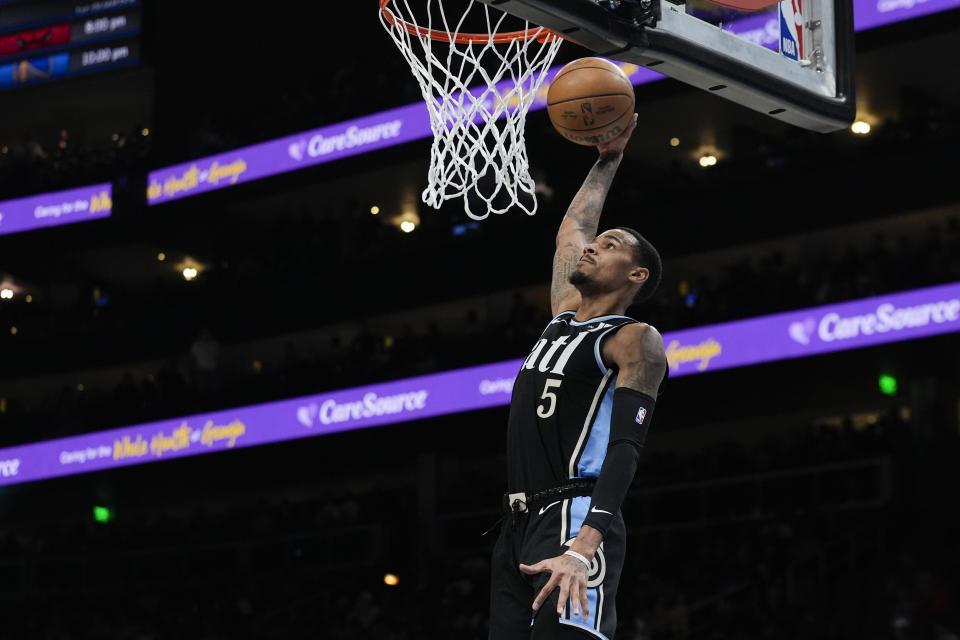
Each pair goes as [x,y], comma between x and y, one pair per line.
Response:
[607,263]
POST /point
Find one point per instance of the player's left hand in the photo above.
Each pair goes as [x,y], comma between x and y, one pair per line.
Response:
[617,145]
[570,575]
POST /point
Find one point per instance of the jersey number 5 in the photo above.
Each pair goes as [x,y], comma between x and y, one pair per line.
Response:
[546,408]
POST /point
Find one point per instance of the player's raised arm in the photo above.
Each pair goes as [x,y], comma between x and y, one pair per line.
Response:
[579,225]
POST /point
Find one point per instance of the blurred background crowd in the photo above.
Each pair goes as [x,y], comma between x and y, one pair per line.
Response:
[836,533]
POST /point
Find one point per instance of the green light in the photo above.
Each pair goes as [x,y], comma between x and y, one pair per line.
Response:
[102,514]
[888,385]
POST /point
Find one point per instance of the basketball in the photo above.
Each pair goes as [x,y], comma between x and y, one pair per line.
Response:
[590,101]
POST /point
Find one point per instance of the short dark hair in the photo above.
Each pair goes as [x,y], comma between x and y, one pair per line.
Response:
[649,257]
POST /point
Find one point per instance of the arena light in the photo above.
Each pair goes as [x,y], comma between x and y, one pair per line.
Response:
[888,384]
[6,294]
[374,210]
[189,268]
[102,514]
[391,580]
[708,160]
[161,256]
[408,219]
[860,127]
[674,142]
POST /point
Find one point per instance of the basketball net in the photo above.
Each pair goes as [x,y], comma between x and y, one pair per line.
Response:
[478,150]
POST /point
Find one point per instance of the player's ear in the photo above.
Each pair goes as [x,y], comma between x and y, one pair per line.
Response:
[639,275]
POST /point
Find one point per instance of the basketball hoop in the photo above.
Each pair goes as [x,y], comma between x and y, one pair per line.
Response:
[478,150]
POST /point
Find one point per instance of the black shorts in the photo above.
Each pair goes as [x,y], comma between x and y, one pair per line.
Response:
[544,531]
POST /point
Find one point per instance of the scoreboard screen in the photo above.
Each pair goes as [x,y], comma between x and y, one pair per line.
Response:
[43,40]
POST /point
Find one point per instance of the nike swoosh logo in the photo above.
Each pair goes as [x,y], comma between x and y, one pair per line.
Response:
[543,509]
[595,510]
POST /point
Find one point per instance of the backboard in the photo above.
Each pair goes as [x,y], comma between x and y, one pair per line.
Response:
[804,76]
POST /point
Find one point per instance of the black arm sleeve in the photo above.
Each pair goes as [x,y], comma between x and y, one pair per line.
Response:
[629,421]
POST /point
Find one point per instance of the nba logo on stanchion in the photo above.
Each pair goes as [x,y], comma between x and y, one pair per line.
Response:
[791,29]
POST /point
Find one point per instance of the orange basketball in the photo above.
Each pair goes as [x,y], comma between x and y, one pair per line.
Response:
[590,101]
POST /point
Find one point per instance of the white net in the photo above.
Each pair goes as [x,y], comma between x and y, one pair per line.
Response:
[478,91]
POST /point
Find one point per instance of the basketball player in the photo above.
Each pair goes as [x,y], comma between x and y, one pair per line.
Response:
[582,404]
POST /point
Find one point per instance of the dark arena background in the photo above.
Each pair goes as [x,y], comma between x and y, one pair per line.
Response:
[245,406]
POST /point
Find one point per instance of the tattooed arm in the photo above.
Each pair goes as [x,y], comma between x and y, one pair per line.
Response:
[637,350]
[579,225]
[641,360]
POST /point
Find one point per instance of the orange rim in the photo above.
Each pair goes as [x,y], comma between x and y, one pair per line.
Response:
[541,34]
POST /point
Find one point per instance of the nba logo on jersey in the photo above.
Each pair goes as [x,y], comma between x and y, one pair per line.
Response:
[641,415]
[791,29]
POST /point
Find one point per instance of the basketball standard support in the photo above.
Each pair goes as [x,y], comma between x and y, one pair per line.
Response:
[817,93]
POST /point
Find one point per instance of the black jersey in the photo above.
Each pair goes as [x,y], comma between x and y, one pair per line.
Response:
[559,424]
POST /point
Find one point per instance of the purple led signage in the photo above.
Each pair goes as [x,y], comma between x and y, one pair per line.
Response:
[411,122]
[838,327]
[796,334]
[57,208]
[333,142]
[868,14]
[357,408]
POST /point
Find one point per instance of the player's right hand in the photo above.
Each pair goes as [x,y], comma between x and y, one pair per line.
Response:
[618,144]
[567,573]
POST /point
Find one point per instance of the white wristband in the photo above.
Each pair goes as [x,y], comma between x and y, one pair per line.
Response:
[580,557]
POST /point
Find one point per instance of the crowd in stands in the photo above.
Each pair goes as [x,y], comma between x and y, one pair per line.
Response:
[61,159]
[248,569]
[910,596]
[756,287]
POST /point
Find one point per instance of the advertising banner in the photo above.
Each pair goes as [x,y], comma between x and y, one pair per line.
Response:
[290,153]
[56,208]
[796,334]
[357,408]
